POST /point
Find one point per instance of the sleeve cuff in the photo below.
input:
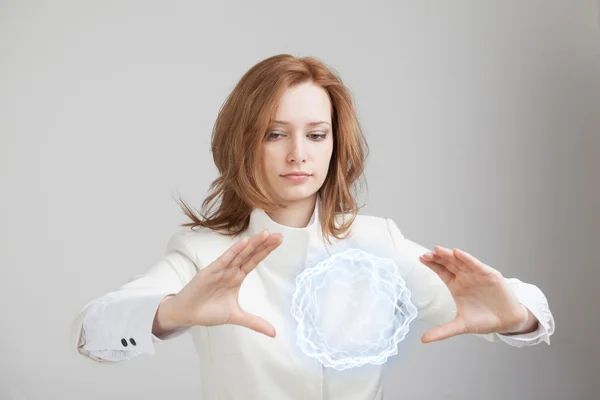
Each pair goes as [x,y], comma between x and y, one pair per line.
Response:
[171,335]
[534,300]
[122,328]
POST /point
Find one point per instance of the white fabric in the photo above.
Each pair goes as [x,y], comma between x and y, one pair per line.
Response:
[264,367]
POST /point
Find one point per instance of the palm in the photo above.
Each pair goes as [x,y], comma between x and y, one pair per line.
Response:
[484,303]
[211,298]
[220,290]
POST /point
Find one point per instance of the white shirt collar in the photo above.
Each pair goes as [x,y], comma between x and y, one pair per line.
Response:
[260,220]
[298,244]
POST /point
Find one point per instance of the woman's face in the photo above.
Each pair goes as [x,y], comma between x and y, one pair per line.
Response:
[299,140]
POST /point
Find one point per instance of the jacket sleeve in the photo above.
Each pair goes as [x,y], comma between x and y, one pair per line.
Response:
[117,326]
[435,304]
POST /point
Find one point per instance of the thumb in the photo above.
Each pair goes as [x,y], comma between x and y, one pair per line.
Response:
[453,328]
[256,323]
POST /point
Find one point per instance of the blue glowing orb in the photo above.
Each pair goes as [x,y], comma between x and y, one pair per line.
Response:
[352,308]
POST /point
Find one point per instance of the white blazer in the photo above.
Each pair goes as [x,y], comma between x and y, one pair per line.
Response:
[238,363]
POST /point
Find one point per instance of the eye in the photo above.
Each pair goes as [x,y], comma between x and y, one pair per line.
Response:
[273,135]
[317,136]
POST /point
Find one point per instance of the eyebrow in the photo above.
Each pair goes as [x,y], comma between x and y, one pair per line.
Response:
[309,124]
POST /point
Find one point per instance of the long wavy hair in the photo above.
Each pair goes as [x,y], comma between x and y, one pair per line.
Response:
[241,126]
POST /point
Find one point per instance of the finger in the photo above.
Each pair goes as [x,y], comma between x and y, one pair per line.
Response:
[453,328]
[270,245]
[473,263]
[261,253]
[256,323]
[231,253]
[445,274]
[253,243]
[467,267]
[448,259]
[269,241]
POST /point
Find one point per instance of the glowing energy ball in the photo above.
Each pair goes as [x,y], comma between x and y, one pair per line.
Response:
[352,308]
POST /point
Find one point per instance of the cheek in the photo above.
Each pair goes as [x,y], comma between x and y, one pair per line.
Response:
[270,160]
[325,157]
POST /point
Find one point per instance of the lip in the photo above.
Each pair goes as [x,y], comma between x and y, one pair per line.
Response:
[297,176]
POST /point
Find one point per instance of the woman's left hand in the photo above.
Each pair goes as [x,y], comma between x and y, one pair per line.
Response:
[484,302]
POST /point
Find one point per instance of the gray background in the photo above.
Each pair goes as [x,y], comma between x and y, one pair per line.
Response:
[479,114]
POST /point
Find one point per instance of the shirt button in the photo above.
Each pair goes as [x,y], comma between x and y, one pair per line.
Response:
[124,342]
[132,341]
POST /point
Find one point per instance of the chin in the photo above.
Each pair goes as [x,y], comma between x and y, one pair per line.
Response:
[289,195]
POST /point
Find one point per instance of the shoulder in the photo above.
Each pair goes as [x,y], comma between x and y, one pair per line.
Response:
[366,228]
[370,223]
[382,236]
[188,241]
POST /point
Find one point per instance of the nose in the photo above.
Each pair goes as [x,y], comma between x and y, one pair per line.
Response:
[297,153]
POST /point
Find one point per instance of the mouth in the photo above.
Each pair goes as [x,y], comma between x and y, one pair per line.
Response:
[297,176]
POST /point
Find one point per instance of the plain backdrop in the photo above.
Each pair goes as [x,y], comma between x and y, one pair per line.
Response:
[481,116]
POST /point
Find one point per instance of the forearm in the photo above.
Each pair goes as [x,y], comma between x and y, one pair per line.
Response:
[164,323]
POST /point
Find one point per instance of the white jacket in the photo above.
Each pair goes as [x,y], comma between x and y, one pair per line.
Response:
[238,363]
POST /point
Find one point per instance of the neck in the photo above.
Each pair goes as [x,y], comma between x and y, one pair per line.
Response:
[297,214]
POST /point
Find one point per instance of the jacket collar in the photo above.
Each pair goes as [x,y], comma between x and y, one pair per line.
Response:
[297,246]
[260,220]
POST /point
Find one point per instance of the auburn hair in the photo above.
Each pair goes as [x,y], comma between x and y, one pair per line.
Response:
[242,123]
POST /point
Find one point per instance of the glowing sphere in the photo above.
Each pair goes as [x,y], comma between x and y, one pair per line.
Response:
[352,308]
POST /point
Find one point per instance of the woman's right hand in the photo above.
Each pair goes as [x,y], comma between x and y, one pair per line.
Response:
[211,297]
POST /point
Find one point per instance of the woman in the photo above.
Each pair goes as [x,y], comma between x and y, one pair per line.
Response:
[290,151]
